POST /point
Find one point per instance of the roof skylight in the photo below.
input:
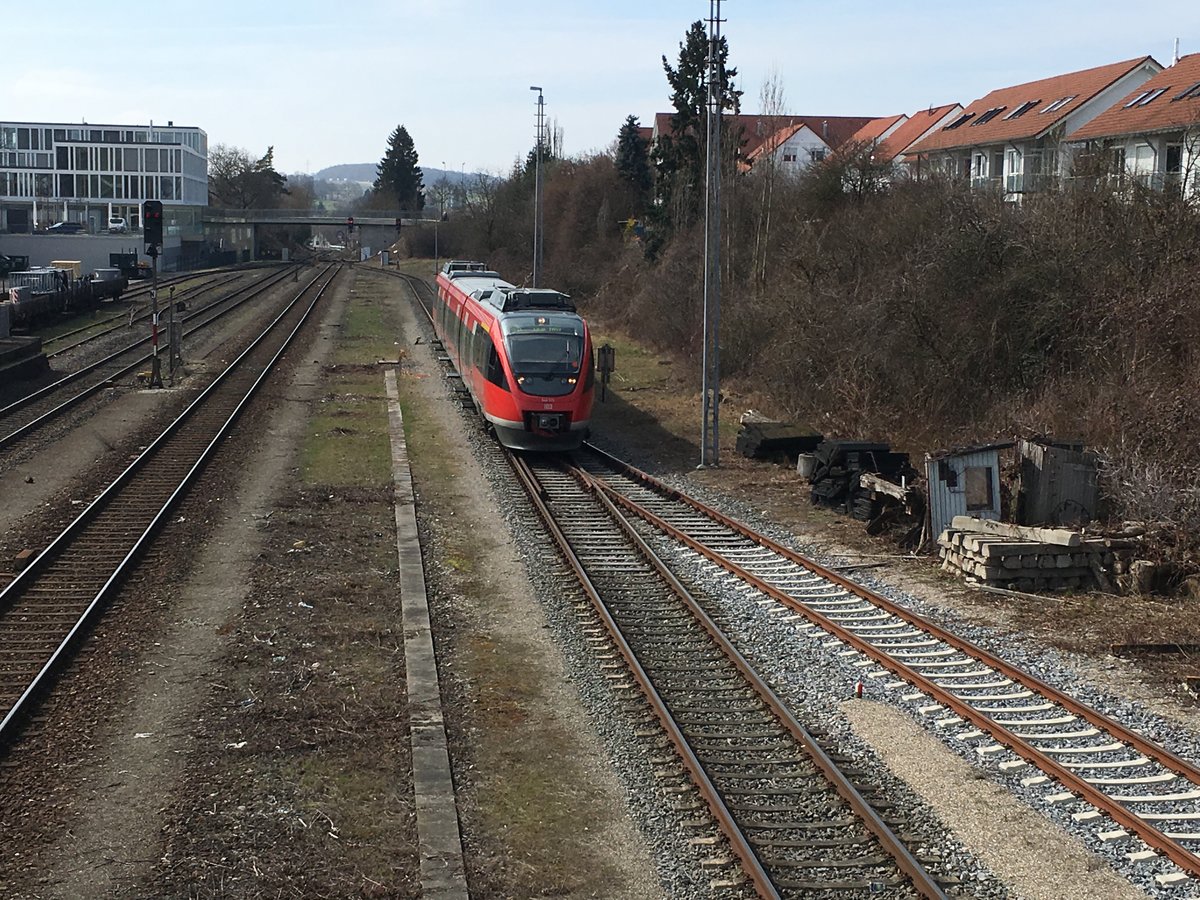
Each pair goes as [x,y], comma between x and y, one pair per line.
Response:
[989,115]
[1058,104]
[1193,91]
[1157,92]
[1022,109]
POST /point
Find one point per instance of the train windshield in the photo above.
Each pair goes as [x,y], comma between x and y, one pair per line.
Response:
[546,352]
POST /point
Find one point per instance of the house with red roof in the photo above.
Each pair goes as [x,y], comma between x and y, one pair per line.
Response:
[888,138]
[1152,134]
[1012,140]
[794,142]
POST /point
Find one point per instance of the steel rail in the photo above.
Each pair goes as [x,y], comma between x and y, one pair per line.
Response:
[34,424]
[59,544]
[922,880]
[1152,836]
[1159,754]
[741,846]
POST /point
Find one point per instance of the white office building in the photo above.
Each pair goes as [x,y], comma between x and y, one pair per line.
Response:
[89,173]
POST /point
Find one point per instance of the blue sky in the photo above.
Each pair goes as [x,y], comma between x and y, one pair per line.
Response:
[326,82]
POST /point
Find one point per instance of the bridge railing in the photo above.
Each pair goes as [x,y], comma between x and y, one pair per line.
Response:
[365,217]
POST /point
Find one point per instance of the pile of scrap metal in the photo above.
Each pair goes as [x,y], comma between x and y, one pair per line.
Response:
[868,481]
[1030,559]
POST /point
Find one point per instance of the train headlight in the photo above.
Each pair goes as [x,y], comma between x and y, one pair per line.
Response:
[520,379]
[572,380]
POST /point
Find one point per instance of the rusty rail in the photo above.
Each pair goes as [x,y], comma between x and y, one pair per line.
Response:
[1152,836]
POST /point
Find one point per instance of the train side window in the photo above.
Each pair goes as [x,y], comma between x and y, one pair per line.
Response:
[481,353]
[495,371]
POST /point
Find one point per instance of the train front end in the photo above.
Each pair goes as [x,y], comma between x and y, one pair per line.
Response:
[549,357]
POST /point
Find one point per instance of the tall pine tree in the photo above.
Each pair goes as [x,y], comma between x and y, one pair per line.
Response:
[398,174]
[679,156]
[633,160]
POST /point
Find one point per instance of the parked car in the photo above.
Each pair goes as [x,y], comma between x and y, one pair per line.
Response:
[117,225]
[67,228]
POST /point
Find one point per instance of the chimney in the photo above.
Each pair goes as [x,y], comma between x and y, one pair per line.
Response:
[1175,58]
[825,130]
[170,124]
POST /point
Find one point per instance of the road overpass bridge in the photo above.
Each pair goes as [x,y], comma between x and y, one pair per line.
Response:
[375,228]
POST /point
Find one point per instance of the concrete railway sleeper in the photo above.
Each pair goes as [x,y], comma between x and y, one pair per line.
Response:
[797,823]
[1109,770]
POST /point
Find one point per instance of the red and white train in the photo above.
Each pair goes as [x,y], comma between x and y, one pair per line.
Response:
[524,354]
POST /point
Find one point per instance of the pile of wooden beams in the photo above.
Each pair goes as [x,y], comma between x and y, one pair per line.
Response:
[1023,558]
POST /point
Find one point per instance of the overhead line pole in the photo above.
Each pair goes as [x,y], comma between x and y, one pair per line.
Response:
[710,361]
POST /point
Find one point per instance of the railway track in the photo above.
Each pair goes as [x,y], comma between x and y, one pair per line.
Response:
[25,416]
[1136,796]
[46,610]
[67,341]
[1136,792]
[799,825]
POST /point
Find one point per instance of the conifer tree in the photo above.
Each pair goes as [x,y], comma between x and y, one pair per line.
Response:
[398,174]
[633,160]
[679,156]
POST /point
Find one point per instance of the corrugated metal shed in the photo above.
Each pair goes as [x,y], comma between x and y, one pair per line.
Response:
[963,483]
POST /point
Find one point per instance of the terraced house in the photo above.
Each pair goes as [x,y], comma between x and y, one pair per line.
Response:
[1152,134]
[1015,139]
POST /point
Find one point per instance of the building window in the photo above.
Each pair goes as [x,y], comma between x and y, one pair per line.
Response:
[816,154]
[1143,160]
[978,487]
[1014,182]
[789,157]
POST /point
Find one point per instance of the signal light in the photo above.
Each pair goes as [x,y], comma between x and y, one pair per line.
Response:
[152,221]
[350,224]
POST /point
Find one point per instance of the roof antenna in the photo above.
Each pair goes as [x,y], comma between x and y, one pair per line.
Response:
[1175,58]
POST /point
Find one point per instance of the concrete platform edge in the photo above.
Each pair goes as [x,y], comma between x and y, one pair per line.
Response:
[443,873]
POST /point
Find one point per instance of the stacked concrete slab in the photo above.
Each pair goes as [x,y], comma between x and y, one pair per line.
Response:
[1029,559]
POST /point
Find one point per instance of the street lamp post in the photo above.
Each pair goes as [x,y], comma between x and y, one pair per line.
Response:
[537,192]
[441,210]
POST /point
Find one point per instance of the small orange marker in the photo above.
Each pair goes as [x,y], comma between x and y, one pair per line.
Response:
[858,689]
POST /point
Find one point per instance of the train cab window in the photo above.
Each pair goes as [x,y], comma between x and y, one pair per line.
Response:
[546,359]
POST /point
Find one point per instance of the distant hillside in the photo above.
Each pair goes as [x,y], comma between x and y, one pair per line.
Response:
[365,173]
[348,172]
